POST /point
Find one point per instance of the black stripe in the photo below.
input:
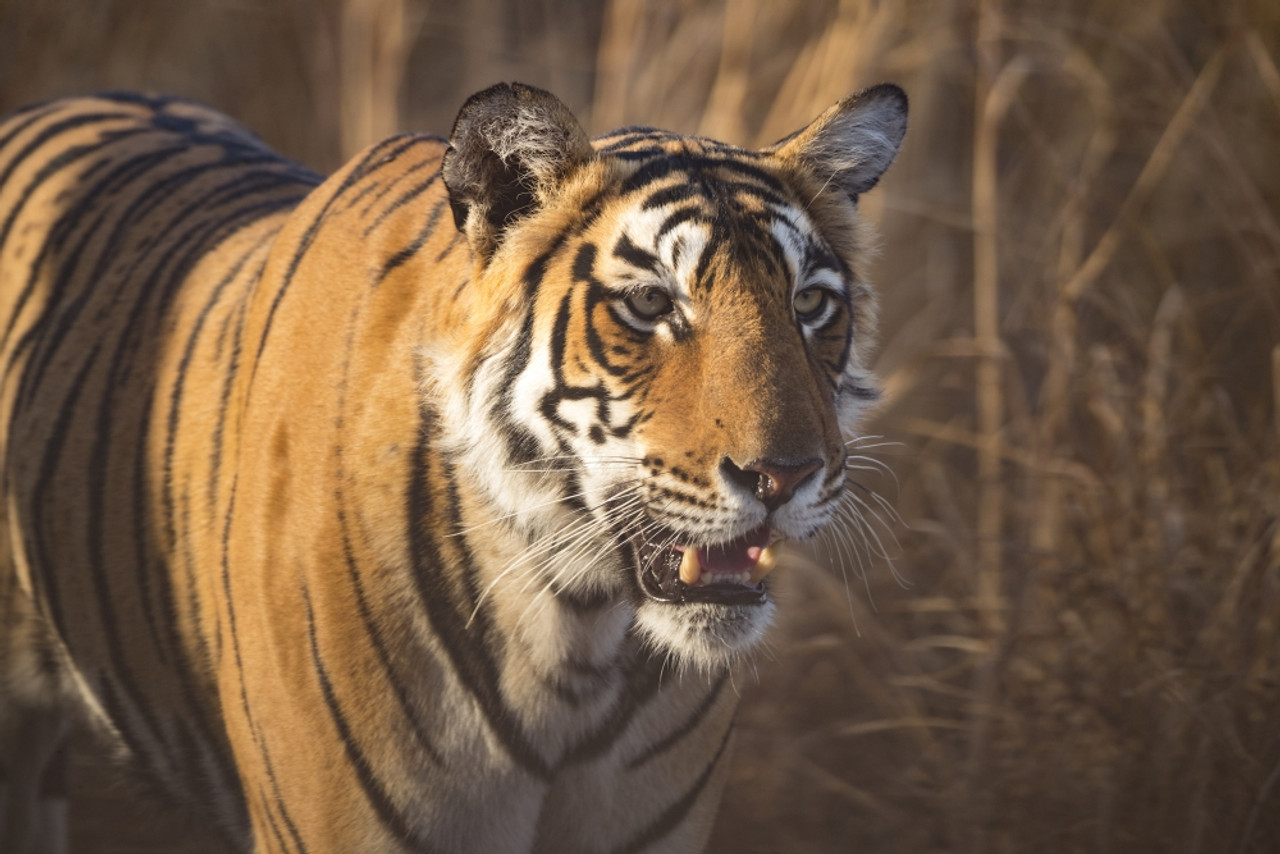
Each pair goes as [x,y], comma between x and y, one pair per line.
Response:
[415,245]
[700,169]
[595,296]
[455,241]
[690,724]
[36,113]
[634,255]
[193,604]
[144,204]
[98,493]
[48,465]
[358,173]
[401,200]
[122,173]
[656,170]
[410,141]
[179,385]
[271,822]
[275,790]
[66,224]
[98,497]
[392,817]
[229,373]
[371,627]
[189,745]
[407,706]
[755,173]
[368,188]
[675,194]
[629,136]
[643,682]
[677,217]
[50,168]
[753,191]
[639,154]
[48,134]
[700,273]
[464,645]
[258,739]
[119,369]
[229,602]
[111,704]
[548,406]
[521,445]
[673,815]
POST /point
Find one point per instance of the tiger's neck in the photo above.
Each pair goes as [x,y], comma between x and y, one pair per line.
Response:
[468,594]
[566,650]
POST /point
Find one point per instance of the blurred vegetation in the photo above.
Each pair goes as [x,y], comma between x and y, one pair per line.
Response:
[1077,647]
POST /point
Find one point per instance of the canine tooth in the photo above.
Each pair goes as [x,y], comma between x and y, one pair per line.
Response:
[764,566]
[690,567]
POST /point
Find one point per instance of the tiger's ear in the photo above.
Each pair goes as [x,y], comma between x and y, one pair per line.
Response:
[852,143]
[511,146]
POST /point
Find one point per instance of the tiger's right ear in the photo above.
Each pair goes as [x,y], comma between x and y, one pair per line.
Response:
[511,146]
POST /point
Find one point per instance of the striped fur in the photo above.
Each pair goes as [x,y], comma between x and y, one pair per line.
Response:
[325,501]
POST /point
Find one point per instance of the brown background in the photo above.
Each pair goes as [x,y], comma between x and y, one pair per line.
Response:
[1077,645]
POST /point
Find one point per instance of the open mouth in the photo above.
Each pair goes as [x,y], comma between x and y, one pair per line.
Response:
[729,573]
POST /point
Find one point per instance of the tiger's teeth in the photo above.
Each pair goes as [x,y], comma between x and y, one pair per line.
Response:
[764,566]
[690,567]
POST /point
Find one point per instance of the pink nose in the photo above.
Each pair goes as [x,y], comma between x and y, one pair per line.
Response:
[773,481]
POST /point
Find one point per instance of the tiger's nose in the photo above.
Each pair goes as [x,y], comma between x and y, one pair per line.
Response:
[772,481]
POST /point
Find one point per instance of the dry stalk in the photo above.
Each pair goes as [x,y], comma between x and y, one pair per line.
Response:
[374,47]
[1098,670]
[992,103]
[723,116]
[836,62]
[1153,171]
[1055,392]
[1275,421]
[620,40]
[1266,65]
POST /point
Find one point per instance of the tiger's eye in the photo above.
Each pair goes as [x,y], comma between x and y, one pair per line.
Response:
[809,303]
[649,304]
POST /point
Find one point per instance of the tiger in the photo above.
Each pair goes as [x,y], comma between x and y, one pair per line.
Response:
[426,507]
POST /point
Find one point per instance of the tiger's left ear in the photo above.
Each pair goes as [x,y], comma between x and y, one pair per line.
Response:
[511,146]
[853,142]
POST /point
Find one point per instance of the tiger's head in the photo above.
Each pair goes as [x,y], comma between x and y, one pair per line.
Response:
[661,351]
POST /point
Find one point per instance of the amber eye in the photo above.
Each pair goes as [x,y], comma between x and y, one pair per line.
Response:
[810,303]
[649,303]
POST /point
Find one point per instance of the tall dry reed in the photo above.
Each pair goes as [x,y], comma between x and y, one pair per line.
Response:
[1080,648]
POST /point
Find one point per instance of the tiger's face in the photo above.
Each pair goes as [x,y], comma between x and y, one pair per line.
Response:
[673,356]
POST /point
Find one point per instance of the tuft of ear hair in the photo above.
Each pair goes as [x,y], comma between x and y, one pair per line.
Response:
[510,148]
[853,142]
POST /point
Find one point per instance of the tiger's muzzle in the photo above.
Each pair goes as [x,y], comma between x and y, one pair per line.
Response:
[727,573]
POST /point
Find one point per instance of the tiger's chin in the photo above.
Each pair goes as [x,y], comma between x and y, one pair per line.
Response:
[705,605]
[703,635]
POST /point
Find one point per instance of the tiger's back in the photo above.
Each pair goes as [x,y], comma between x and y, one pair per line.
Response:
[134,231]
[137,237]
[331,504]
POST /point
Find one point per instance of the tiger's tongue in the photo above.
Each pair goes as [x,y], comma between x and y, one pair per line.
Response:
[749,553]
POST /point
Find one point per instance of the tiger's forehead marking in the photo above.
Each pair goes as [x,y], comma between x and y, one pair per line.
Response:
[696,213]
[647,239]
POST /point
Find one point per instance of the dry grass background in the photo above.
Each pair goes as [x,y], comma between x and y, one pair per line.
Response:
[1080,650]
